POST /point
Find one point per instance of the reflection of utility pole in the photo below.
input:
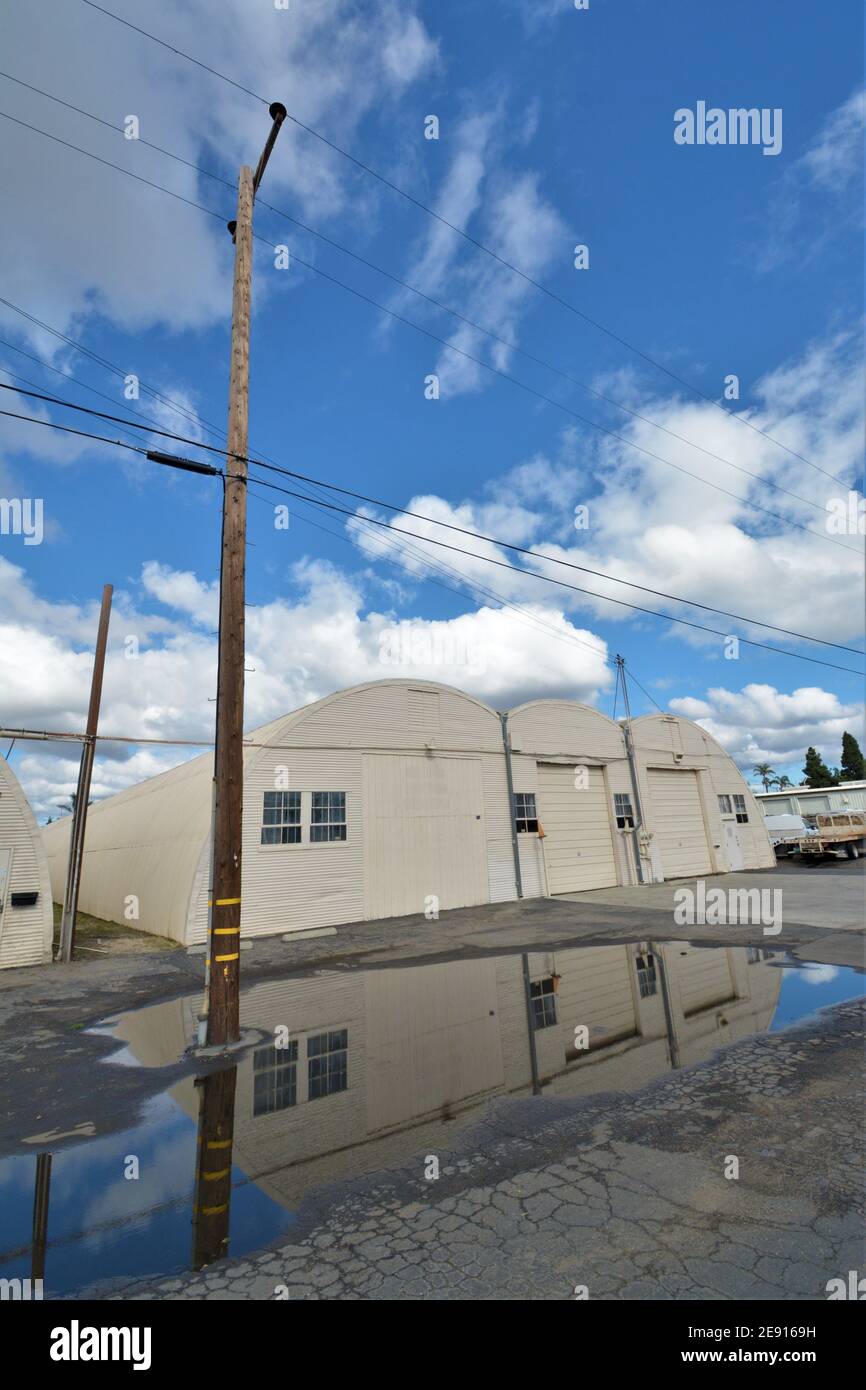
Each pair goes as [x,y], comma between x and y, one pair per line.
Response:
[530,1023]
[224,935]
[82,795]
[213,1177]
[673,1044]
[41,1192]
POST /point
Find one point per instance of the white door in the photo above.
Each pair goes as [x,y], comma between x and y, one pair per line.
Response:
[578,844]
[733,846]
[678,823]
[5,862]
[424,834]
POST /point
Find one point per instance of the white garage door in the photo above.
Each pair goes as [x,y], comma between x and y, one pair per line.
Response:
[423,834]
[678,823]
[578,846]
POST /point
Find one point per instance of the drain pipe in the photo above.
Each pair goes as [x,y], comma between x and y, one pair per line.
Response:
[632,764]
[515,847]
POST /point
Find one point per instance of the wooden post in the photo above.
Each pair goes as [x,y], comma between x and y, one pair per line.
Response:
[41,1194]
[213,1178]
[224,935]
[225,916]
[82,795]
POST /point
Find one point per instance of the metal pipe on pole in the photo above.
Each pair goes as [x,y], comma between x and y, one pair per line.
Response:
[223,1024]
[82,794]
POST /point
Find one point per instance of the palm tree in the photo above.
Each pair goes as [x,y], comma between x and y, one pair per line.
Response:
[766,773]
[71,803]
[783,782]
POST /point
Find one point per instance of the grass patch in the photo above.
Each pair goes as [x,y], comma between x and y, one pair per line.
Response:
[94,937]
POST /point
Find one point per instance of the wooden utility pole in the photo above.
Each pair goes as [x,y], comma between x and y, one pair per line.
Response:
[225,907]
[82,794]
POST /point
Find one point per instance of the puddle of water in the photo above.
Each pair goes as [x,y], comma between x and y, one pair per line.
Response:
[358,1070]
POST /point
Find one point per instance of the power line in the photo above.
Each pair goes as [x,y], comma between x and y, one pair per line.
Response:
[438,304]
[462,530]
[479,245]
[561,583]
[451,347]
[486,559]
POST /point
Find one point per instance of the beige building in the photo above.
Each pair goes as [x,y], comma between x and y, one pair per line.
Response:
[26,913]
[378,1065]
[402,797]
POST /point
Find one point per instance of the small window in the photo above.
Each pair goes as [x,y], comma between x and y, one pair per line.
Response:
[646,974]
[725,805]
[525,814]
[281,819]
[740,809]
[327,1061]
[543,999]
[624,813]
[753,955]
[275,1078]
[328,817]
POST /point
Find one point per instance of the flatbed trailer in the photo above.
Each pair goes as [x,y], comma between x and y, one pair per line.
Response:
[845,830]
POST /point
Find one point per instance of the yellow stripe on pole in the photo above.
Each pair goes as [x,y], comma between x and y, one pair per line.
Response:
[226,931]
[212,1177]
[219,1143]
[236,956]
[213,1211]
[225,902]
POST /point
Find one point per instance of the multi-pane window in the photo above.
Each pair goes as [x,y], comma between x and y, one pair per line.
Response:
[740,810]
[525,814]
[281,818]
[543,999]
[328,817]
[622,810]
[275,1078]
[646,973]
[725,805]
[327,1061]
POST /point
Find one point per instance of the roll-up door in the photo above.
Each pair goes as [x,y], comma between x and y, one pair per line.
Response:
[678,823]
[578,845]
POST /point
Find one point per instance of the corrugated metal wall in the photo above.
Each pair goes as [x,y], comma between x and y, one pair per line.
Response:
[25,932]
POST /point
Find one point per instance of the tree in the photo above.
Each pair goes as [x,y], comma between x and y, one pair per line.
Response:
[816,772]
[766,773]
[71,803]
[853,767]
[783,782]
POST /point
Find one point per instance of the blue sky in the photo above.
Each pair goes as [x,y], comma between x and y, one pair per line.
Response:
[555,129]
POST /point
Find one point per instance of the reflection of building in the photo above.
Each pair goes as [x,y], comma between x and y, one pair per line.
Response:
[382,1064]
[393,798]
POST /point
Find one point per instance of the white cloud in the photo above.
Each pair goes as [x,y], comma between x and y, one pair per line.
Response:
[123,250]
[167,690]
[762,724]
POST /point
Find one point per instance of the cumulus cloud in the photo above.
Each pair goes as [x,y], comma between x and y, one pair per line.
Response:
[164,687]
[651,524]
[762,724]
[134,255]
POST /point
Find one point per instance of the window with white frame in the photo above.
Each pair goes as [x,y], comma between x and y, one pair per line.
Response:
[328,1063]
[281,818]
[275,1078]
[543,998]
[623,811]
[725,805]
[740,810]
[525,814]
[327,817]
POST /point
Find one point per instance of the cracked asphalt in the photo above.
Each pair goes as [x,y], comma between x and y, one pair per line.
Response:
[614,1197]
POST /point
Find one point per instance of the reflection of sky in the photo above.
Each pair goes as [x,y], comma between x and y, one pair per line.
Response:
[810,987]
[88,1188]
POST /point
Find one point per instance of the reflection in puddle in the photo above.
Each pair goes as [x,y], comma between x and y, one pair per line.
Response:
[360,1070]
